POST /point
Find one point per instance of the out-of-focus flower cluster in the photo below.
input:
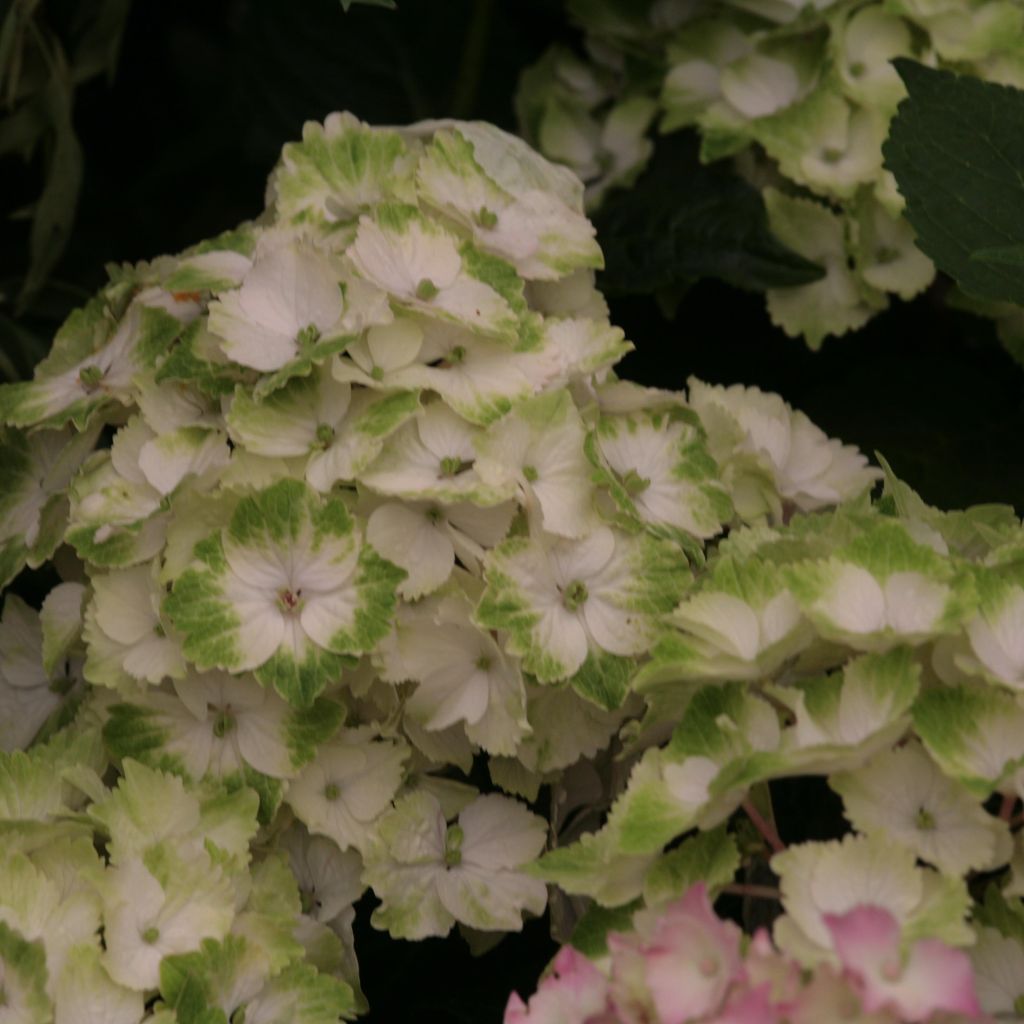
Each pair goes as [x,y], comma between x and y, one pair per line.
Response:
[799,94]
[683,965]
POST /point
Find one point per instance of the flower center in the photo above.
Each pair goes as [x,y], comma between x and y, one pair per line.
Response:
[452,465]
[89,377]
[531,474]
[223,723]
[289,601]
[332,791]
[574,595]
[708,965]
[308,336]
[484,663]
[635,483]
[324,435]
[150,935]
[487,219]
[453,846]
[426,290]
[925,820]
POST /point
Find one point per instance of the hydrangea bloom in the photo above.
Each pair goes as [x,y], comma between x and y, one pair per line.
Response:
[682,965]
[367,560]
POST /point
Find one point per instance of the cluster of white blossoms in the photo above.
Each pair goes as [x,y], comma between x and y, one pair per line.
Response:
[346,508]
[799,92]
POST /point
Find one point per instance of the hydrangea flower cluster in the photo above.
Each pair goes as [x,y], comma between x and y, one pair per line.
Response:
[684,964]
[355,542]
[800,94]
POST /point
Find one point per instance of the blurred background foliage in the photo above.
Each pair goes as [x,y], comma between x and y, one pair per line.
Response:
[129,130]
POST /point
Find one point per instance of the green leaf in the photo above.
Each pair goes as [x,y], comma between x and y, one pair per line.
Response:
[710,857]
[1004,255]
[55,210]
[590,936]
[682,221]
[956,147]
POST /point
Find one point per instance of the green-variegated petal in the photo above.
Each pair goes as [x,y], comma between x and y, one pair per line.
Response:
[61,621]
[195,903]
[594,866]
[294,420]
[974,733]
[85,993]
[214,270]
[431,458]
[76,392]
[347,786]
[995,634]
[125,639]
[425,268]
[35,471]
[563,728]
[537,453]
[25,977]
[340,169]
[833,877]
[357,440]
[301,995]
[661,474]
[843,719]
[560,600]
[114,520]
[462,674]
[533,229]
[839,302]
[903,795]
[285,590]
[710,857]
[477,377]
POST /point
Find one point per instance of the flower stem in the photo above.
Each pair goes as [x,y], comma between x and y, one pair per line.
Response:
[1007,806]
[757,892]
[765,827]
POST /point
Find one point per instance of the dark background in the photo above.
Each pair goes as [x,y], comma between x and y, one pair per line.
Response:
[178,146]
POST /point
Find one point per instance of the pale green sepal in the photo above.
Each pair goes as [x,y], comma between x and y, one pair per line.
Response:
[834,877]
[301,995]
[61,620]
[426,269]
[902,795]
[594,866]
[85,993]
[25,978]
[974,733]
[839,302]
[340,169]
[710,857]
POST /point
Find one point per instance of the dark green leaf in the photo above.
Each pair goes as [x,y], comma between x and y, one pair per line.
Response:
[388,4]
[956,147]
[683,220]
[1006,255]
[55,211]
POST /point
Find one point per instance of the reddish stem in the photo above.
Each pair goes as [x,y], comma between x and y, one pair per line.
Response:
[766,828]
[1007,806]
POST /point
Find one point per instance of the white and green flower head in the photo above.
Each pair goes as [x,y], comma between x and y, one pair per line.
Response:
[354,542]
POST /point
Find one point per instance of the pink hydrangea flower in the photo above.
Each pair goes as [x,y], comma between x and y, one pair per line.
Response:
[576,992]
[931,978]
[680,966]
